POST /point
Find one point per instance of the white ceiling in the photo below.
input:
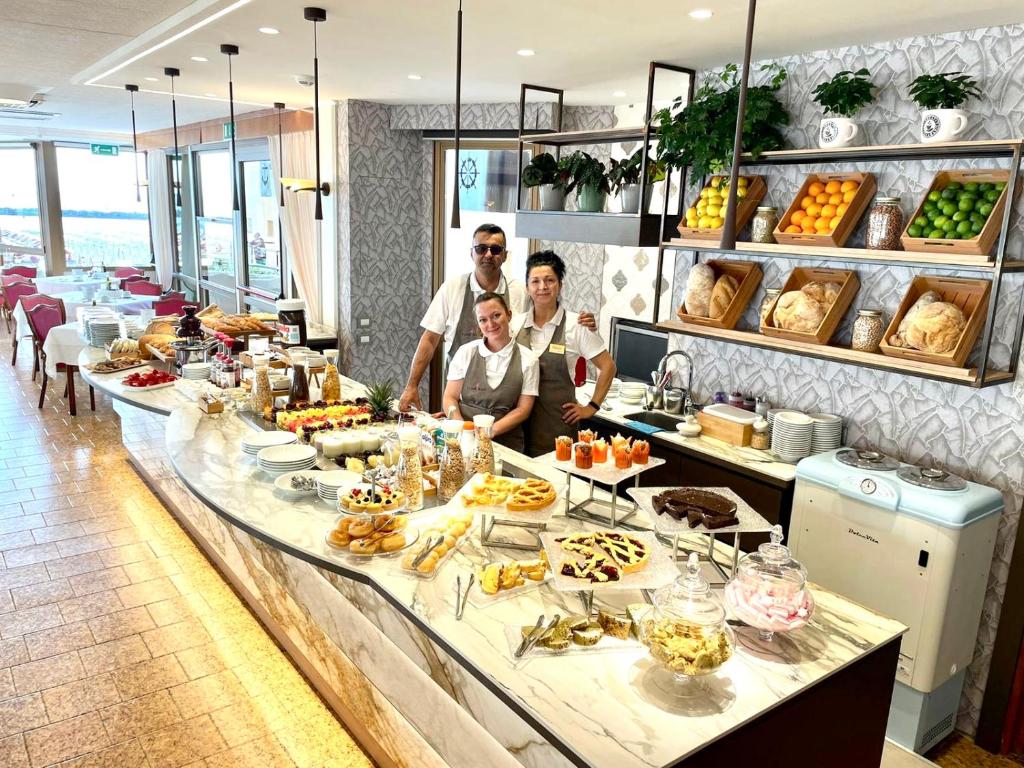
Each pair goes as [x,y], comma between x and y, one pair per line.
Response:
[591,48]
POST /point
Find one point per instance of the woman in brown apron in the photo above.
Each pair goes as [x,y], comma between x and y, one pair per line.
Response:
[493,375]
[563,346]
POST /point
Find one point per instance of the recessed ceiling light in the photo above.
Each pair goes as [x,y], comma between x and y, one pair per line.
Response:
[153,79]
[701,14]
[415,77]
[526,52]
[199,58]
[618,94]
[268,30]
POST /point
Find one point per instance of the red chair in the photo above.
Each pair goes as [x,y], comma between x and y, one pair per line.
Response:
[170,307]
[128,272]
[173,295]
[43,319]
[144,288]
[12,291]
[126,281]
[28,303]
[29,272]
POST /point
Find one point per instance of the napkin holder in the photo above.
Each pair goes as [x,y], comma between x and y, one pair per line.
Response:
[208,404]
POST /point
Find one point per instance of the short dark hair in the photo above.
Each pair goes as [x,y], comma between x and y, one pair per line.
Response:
[492,296]
[491,229]
[546,259]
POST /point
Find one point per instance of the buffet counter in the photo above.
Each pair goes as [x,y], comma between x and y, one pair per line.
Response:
[420,688]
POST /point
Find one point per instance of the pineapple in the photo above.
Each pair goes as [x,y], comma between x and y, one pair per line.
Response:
[379,396]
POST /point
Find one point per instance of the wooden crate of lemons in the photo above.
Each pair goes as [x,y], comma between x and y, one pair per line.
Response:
[706,217]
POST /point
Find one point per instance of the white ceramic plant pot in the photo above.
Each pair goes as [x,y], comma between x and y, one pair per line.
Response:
[835,132]
[942,124]
[552,199]
[630,198]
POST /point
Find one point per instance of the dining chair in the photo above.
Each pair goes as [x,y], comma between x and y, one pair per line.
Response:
[43,319]
[144,288]
[128,272]
[169,307]
[11,292]
[28,303]
[173,295]
[29,272]
[126,281]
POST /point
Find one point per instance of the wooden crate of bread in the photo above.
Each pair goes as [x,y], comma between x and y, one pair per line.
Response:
[746,275]
[982,242]
[756,190]
[831,313]
[801,210]
[970,295]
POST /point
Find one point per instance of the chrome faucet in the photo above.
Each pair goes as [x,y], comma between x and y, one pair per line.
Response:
[663,366]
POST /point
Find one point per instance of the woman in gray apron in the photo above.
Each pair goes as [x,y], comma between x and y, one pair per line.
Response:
[563,347]
[493,375]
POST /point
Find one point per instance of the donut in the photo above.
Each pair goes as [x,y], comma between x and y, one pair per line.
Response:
[339,538]
[364,546]
[360,528]
[393,542]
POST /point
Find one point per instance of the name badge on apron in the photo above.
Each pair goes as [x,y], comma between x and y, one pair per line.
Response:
[557,349]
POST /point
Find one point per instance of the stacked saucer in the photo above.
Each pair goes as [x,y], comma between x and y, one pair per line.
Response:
[328,484]
[195,371]
[827,432]
[256,442]
[791,435]
[103,329]
[632,392]
[282,459]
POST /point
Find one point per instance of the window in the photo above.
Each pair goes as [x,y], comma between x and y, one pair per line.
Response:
[261,232]
[103,221]
[20,238]
[215,230]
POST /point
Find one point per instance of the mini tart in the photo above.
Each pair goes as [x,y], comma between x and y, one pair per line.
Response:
[361,500]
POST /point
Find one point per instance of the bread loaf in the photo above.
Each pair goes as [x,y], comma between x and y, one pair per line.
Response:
[796,311]
[936,327]
[699,285]
[721,296]
[823,293]
[899,339]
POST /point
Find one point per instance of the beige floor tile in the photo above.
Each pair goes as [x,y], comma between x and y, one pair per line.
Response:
[114,654]
[131,553]
[183,743]
[22,714]
[7,689]
[137,717]
[178,609]
[72,566]
[120,624]
[152,569]
[79,546]
[42,593]
[38,553]
[176,637]
[57,533]
[13,651]
[243,722]
[128,754]
[148,676]
[207,694]
[13,753]
[47,673]
[23,576]
[264,752]
[66,739]
[53,642]
[202,660]
[29,620]
[99,581]
[80,697]
[89,606]
[147,592]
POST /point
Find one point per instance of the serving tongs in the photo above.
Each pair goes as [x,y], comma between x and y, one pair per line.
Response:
[432,544]
[460,596]
[539,630]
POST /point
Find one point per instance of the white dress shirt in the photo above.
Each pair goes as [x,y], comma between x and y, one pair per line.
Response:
[579,341]
[496,364]
[445,308]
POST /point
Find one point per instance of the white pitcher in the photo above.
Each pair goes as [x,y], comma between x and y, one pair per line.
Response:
[942,124]
[836,132]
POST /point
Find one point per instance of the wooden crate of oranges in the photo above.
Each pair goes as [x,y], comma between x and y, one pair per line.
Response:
[826,209]
[706,217]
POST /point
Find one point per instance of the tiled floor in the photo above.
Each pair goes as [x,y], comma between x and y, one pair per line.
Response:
[120,645]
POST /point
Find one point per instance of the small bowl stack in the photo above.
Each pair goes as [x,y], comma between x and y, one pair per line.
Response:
[328,484]
[632,392]
[282,459]
[827,432]
[257,441]
[195,371]
[792,433]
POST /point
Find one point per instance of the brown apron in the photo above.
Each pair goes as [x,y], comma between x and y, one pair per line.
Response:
[556,388]
[467,329]
[478,398]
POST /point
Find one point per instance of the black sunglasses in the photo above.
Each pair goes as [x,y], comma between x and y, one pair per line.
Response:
[496,250]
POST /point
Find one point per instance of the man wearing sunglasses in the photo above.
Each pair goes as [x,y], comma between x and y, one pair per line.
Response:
[451,313]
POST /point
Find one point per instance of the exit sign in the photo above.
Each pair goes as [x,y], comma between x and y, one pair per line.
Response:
[229,130]
[110,150]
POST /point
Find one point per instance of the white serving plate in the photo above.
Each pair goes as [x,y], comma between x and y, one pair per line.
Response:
[255,442]
[130,388]
[291,453]
[284,484]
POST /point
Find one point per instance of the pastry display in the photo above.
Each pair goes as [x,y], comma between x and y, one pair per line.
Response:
[602,556]
[442,537]
[936,328]
[378,534]
[899,339]
[232,325]
[531,495]
[721,296]
[584,455]
[563,448]
[576,631]
[498,577]
[115,365]
[527,495]
[699,285]
[698,507]
[160,342]
[489,491]
[640,452]
[366,500]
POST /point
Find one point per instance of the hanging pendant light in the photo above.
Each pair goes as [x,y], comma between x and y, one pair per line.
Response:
[132,90]
[173,72]
[232,50]
[316,15]
[279,106]
[456,213]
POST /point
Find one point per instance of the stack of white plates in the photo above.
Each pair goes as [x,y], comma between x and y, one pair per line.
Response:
[827,432]
[195,371]
[103,329]
[257,441]
[280,459]
[791,435]
[328,484]
[614,389]
[632,392]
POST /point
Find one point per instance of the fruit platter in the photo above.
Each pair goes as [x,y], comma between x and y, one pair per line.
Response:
[149,380]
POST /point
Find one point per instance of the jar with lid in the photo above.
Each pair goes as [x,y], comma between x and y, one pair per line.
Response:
[769,591]
[770,295]
[451,465]
[868,329]
[410,469]
[687,635]
[759,436]
[299,392]
[483,455]
[261,399]
[763,224]
[291,321]
[885,224]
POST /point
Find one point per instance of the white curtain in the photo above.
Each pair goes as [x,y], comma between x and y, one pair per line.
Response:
[297,217]
[160,216]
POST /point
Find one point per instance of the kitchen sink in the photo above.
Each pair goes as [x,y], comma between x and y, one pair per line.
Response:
[655,419]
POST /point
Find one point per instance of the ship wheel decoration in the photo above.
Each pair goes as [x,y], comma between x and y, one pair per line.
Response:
[468,173]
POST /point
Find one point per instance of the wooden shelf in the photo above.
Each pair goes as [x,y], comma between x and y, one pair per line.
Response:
[600,136]
[967,376]
[862,255]
[972,149]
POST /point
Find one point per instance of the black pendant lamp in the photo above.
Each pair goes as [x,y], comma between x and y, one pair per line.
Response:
[132,90]
[173,72]
[279,106]
[456,215]
[232,50]
[316,15]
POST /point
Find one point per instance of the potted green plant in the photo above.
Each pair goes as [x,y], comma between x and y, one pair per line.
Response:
[940,98]
[701,134]
[624,179]
[590,181]
[551,176]
[842,98]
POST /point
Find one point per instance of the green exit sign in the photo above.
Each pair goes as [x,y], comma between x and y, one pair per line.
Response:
[110,150]
[229,130]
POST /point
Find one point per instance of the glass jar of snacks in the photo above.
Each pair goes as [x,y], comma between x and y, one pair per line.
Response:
[769,591]
[410,470]
[763,224]
[868,329]
[451,465]
[688,635]
[261,399]
[759,437]
[885,224]
[483,456]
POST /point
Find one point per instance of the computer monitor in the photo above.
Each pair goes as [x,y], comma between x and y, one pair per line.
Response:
[636,348]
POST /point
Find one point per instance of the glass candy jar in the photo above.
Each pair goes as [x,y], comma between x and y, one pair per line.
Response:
[451,465]
[769,591]
[763,224]
[688,635]
[483,455]
[868,329]
[410,469]
[885,225]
